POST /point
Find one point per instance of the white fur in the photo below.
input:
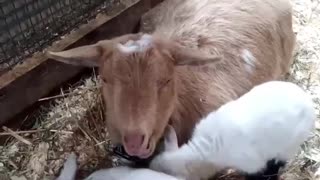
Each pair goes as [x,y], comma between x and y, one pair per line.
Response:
[143,44]
[271,121]
[127,173]
[248,57]
[69,168]
[117,173]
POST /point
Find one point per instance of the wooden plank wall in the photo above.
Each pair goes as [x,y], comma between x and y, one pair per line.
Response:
[37,76]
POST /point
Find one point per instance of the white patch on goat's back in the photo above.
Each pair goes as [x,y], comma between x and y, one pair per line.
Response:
[249,59]
[136,46]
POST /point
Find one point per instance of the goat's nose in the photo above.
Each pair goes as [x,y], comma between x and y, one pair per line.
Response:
[133,142]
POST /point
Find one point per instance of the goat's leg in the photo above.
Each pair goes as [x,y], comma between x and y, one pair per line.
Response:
[271,172]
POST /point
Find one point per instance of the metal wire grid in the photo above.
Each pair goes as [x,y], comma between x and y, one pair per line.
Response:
[27,26]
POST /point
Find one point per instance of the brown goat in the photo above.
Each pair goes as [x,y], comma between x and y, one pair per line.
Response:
[166,77]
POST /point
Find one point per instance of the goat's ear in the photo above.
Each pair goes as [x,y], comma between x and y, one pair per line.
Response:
[83,56]
[187,56]
[170,139]
[90,55]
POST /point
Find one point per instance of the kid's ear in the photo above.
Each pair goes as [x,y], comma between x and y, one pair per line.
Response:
[170,139]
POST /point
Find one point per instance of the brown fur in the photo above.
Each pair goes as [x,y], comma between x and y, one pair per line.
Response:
[144,90]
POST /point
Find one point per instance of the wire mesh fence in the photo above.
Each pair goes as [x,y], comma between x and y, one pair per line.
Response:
[27,26]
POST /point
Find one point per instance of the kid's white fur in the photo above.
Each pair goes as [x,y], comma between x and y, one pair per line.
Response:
[117,173]
[271,121]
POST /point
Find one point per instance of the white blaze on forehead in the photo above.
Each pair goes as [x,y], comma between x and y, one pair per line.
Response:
[129,43]
[249,59]
[136,46]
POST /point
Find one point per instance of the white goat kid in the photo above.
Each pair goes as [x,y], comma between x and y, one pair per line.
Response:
[255,134]
[117,173]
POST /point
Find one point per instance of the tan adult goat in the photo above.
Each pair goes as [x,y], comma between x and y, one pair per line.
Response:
[150,80]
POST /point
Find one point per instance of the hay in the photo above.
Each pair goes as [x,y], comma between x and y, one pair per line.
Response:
[306,72]
[75,119]
[73,123]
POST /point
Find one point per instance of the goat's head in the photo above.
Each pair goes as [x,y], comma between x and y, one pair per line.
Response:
[139,84]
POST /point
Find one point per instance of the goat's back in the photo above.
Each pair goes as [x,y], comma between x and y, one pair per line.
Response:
[254,37]
[228,27]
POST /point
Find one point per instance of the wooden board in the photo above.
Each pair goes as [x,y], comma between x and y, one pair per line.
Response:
[37,76]
[150,19]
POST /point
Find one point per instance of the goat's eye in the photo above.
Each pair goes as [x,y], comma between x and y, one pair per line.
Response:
[104,80]
[164,83]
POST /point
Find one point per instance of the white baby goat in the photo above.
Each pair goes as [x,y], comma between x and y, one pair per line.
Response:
[117,173]
[255,134]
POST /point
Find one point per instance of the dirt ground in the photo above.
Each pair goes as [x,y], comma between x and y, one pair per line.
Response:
[73,121]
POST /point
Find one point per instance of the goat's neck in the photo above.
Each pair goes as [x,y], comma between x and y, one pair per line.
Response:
[188,111]
[196,98]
